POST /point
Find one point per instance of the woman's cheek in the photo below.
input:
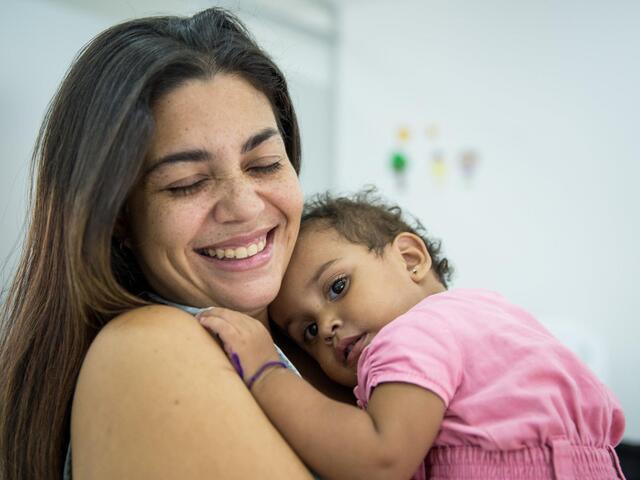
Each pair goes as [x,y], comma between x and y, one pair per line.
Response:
[171,222]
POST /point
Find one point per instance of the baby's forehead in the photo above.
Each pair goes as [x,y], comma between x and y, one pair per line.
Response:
[323,232]
[311,227]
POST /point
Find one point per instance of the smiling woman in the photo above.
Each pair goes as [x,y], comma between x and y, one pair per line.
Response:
[223,185]
[166,172]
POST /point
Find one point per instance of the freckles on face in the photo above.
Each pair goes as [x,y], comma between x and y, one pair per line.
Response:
[217,178]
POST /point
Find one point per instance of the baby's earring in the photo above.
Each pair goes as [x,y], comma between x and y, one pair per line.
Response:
[414,270]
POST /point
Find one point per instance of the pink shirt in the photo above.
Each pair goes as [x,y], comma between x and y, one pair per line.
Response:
[507,383]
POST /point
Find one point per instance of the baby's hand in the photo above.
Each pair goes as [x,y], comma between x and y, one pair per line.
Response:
[246,341]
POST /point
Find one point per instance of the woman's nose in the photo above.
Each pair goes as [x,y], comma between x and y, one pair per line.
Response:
[238,201]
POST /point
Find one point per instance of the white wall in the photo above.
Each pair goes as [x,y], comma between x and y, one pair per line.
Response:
[39,39]
[547,94]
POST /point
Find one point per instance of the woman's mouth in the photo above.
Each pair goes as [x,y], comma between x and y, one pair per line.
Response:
[240,253]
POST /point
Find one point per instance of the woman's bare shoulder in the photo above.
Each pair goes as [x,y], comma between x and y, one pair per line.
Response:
[156,338]
[157,398]
[154,319]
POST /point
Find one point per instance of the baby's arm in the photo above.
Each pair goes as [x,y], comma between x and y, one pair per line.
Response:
[337,440]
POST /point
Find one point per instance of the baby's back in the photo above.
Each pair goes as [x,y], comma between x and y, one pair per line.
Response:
[514,394]
[518,384]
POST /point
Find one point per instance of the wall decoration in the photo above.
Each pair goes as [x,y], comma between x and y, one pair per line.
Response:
[468,165]
[432,131]
[438,167]
[443,168]
[399,161]
[403,134]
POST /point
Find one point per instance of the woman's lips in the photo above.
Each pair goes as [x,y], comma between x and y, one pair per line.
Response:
[248,262]
[239,241]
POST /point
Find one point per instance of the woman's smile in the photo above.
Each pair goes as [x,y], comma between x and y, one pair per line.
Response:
[216,216]
[239,254]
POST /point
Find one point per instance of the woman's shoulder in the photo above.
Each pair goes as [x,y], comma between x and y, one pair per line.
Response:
[151,337]
[152,340]
[156,394]
[151,319]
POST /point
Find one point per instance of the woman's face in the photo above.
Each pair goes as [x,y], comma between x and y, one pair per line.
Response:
[216,215]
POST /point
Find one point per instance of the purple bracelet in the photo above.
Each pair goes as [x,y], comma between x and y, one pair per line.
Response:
[235,361]
[269,364]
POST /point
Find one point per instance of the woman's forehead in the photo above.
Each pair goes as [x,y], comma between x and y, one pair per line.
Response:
[216,112]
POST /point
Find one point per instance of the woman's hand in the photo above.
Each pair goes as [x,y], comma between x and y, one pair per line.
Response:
[246,341]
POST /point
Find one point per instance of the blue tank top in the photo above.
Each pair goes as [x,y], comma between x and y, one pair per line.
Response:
[193,311]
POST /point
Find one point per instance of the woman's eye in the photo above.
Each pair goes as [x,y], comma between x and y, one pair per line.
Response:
[310,332]
[186,189]
[337,288]
[266,169]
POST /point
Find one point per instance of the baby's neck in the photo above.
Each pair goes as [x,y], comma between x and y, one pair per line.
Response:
[432,286]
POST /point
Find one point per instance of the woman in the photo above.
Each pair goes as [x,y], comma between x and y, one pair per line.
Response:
[166,170]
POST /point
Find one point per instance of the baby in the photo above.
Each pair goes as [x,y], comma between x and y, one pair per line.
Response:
[451,383]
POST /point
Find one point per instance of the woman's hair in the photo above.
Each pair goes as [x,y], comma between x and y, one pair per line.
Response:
[366,219]
[74,275]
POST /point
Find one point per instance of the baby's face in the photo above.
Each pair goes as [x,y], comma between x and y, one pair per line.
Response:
[336,296]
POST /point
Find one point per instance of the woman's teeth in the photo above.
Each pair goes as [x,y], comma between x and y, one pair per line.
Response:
[238,253]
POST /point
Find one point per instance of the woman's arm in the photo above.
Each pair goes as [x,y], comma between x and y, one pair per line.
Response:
[158,399]
[387,441]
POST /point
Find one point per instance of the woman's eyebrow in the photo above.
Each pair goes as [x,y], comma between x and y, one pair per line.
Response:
[201,155]
[196,155]
[262,136]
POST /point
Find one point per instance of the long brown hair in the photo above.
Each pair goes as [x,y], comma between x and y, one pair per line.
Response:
[73,275]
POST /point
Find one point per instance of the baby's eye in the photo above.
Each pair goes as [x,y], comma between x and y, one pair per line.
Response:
[337,288]
[310,332]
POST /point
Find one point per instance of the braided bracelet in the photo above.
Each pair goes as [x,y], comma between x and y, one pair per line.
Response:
[260,371]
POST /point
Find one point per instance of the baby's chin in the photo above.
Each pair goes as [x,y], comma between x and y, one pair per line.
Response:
[344,377]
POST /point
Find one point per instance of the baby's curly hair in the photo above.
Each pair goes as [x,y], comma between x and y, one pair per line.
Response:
[366,219]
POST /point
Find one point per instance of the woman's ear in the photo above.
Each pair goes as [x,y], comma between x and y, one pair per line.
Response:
[413,253]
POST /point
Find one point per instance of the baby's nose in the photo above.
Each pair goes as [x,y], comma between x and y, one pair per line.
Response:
[329,328]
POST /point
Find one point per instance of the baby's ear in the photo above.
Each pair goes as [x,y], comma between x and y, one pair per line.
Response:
[413,253]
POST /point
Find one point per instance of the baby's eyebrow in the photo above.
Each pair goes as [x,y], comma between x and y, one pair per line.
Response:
[286,324]
[321,269]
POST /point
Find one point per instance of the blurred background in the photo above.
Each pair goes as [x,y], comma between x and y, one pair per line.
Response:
[509,127]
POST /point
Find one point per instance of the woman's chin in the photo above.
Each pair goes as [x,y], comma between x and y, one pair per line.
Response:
[251,302]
